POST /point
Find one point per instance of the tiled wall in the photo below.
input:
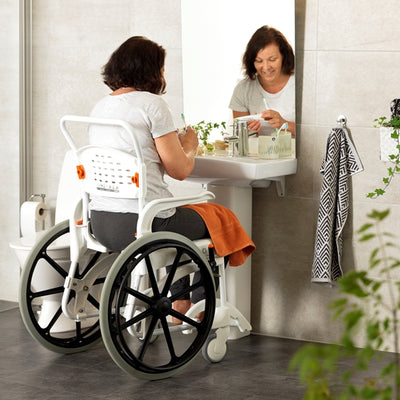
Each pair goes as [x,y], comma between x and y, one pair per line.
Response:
[347,63]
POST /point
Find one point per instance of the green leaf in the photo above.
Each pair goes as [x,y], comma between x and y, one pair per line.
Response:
[352,318]
[350,283]
[378,215]
[395,264]
[374,253]
[373,330]
[369,392]
[369,236]
[376,286]
[374,263]
[387,370]
[365,227]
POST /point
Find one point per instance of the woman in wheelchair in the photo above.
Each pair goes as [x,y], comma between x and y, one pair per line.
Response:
[135,74]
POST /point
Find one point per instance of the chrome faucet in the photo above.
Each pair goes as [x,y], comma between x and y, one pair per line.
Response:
[241,130]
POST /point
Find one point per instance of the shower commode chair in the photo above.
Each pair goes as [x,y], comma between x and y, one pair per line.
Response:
[74,291]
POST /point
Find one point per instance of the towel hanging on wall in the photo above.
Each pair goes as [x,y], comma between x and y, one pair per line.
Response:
[341,160]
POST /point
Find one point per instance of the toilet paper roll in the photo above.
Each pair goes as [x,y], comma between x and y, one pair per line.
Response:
[32,215]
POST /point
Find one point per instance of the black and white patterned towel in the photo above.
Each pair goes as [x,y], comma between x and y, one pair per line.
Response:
[341,160]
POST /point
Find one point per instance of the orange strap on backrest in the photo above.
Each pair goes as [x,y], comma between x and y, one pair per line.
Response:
[80,170]
[135,179]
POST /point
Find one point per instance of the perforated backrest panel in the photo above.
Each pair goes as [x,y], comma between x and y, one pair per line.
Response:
[110,172]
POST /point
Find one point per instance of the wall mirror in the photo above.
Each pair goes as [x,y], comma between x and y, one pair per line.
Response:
[214,37]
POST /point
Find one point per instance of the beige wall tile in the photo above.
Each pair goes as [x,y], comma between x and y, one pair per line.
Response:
[345,86]
[359,26]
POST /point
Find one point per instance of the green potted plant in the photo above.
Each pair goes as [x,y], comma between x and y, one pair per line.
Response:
[204,130]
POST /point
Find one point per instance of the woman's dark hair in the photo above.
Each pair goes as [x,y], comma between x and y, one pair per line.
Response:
[137,63]
[261,38]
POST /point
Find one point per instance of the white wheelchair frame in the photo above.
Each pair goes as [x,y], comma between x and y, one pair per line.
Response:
[88,300]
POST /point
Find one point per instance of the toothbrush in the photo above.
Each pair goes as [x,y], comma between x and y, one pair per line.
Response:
[184,121]
[284,126]
[265,103]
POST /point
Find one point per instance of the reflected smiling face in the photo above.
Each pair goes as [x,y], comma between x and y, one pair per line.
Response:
[268,63]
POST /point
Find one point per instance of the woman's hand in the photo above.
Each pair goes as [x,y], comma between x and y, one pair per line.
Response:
[273,117]
[254,125]
[189,140]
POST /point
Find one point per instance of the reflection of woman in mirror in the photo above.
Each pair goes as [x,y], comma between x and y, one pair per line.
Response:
[269,86]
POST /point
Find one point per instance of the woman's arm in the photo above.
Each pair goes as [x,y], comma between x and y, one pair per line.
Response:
[177,153]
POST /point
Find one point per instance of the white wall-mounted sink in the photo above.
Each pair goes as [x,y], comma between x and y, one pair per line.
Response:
[242,171]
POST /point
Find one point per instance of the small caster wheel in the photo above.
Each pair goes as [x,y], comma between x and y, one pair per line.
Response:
[213,351]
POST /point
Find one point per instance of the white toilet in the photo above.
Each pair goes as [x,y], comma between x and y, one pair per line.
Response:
[68,193]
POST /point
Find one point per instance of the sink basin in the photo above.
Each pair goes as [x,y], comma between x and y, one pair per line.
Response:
[241,171]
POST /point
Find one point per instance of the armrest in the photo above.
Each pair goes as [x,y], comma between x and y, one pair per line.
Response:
[155,206]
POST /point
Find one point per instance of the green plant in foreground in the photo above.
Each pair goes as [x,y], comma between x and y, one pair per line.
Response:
[204,130]
[371,302]
[394,158]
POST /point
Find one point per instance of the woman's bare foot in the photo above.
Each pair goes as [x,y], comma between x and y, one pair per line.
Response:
[182,306]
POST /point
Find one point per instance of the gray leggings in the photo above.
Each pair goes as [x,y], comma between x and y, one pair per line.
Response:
[117,230]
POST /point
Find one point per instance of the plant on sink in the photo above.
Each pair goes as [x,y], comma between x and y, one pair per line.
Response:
[371,303]
[204,130]
[394,159]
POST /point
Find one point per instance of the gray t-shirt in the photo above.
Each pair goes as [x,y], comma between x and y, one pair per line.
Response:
[151,118]
[248,96]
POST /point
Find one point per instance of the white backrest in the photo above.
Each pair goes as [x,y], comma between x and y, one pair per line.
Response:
[110,172]
[107,171]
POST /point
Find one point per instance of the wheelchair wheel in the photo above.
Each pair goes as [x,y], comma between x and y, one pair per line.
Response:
[41,288]
[159,259]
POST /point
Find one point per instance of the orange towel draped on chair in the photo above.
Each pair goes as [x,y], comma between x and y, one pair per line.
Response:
[227,234]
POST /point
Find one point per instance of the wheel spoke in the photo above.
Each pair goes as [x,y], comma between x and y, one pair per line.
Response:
[172,272]
[90,264]
[48,292]
[137,318]
[138,295]
[147,338]
[169,341]
[55,265]
[53,320]
[93,301]
[152,277]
